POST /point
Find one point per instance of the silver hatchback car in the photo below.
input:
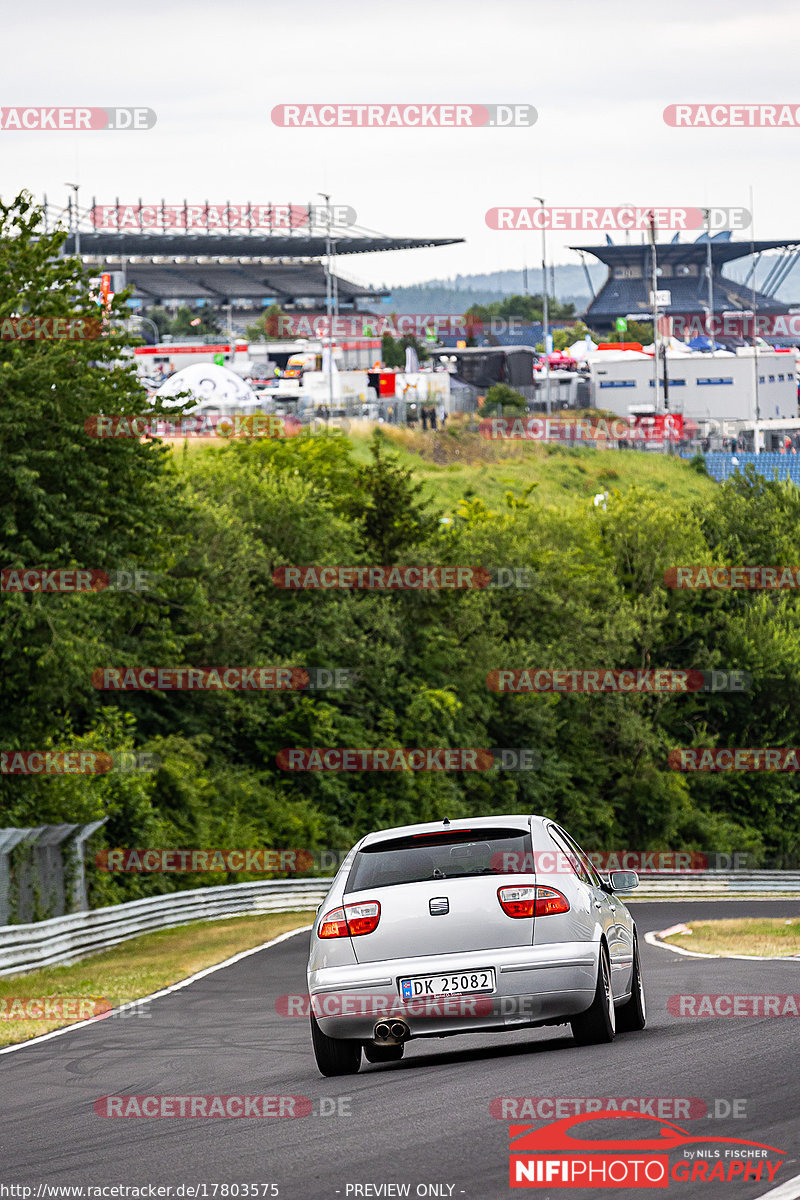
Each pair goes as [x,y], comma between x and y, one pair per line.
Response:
[463,926]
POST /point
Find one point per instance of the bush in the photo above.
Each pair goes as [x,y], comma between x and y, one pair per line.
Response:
[500,398]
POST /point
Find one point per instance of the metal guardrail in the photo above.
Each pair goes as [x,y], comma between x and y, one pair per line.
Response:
[65,939]
[707,885]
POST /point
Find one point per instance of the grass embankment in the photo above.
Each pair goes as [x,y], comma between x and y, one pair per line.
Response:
[455,464]
[134,969]
[770,937]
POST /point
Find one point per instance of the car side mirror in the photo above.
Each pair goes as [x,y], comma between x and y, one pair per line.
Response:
[623,881]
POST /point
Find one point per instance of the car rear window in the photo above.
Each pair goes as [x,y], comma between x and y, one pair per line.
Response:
[455,854]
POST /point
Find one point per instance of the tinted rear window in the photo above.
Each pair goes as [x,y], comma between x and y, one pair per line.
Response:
[446,855]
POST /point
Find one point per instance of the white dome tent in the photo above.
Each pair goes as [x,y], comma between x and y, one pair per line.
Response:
[214,389]
[581,350]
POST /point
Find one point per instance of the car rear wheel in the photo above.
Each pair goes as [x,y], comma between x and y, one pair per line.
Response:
[598,1024]
[335,1056]
[383,1054]
[632,1015]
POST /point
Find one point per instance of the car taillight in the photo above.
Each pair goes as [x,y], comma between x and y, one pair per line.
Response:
[333,924]
[531,901]
[362,918]
[353,920]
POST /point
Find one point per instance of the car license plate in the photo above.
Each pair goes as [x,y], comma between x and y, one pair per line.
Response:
[455,983]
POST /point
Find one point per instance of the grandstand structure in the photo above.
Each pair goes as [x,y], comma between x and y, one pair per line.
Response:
[683,271]
[771,465]
[241,268]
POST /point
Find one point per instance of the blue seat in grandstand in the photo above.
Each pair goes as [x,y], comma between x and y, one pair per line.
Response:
[771,464]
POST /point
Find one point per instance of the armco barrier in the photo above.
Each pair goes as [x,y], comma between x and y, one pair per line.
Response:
[65,939]
[719,885]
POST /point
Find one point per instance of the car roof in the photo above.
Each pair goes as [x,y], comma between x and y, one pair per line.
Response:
[453,825]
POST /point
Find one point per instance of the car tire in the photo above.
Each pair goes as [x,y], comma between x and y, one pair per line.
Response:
[598,1024]
[335,1056]
[383,1054]
[632,1015]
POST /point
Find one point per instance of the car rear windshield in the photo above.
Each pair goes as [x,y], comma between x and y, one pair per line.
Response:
[416,858]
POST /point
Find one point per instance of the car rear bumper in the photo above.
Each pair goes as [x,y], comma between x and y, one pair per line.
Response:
[533,984]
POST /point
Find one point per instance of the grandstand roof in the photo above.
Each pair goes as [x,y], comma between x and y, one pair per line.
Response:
[624,297]
[245,245]
[722,251]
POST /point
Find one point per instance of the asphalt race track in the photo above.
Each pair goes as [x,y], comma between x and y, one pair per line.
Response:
[423,1121]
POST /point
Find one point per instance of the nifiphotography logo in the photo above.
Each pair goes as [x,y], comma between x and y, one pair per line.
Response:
[558,1155]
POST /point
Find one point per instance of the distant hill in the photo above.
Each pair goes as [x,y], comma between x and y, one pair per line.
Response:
[457,294]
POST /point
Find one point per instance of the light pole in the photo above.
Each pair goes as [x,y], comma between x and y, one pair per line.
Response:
[545,322]
[654,290]
[328,299]
[756,426]
[709,270]
[76,230]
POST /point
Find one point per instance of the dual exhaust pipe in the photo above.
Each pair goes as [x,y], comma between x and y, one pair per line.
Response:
[391,1033]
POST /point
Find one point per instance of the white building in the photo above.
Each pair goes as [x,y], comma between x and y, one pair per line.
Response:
[719,386]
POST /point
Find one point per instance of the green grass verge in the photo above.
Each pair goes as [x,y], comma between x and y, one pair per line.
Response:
[454,465]
[767,937]
[133,969]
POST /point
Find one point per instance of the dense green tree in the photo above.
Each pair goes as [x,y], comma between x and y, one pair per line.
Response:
[68,499]
[213,526]
[194,322]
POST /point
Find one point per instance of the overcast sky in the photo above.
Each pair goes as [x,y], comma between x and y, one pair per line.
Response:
[599,76]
